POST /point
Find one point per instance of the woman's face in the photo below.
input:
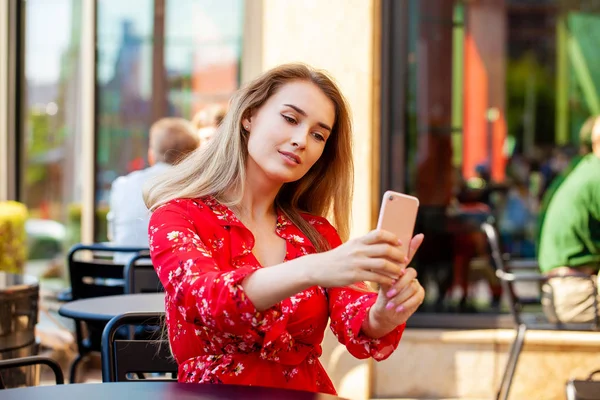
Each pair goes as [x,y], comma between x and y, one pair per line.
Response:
[289,131]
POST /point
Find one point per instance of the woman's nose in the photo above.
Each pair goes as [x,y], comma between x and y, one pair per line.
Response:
[299,139]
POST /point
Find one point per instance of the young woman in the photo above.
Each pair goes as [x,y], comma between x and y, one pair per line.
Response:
[252,269]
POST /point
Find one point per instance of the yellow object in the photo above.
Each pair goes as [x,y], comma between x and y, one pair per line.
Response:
[13,238]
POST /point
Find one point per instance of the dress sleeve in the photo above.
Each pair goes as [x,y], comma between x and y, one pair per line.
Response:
[196,287]
[348,308]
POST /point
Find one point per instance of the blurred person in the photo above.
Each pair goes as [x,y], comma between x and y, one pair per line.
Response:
[207,120]
[565,167]
[252,268]
[570,240]
[171,139]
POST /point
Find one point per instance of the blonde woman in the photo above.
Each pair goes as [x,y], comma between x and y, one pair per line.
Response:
[252,268]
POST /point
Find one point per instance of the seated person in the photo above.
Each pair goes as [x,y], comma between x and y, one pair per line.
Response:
[570,241]
[171,139]
[585,148]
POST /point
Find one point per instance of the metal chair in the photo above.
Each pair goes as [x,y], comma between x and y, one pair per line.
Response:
[30,361]
[95,276]
[122,358]
[588,389]
[526,312]
[141,277]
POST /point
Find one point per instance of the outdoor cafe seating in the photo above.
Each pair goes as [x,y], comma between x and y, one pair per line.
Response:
[527,315]
[93,274]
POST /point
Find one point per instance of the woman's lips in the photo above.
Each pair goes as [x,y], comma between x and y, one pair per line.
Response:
[291,156]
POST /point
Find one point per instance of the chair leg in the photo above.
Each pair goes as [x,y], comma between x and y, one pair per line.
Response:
[74,364]
[511,363]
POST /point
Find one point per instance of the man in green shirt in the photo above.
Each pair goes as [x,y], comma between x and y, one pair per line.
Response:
[570,241]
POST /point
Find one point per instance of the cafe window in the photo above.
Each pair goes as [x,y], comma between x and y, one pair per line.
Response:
[482,103]
[50,138]
[157,58]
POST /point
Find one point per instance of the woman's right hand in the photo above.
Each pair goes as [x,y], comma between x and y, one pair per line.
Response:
[375,257]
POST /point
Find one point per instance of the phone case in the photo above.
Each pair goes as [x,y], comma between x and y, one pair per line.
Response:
[398,214]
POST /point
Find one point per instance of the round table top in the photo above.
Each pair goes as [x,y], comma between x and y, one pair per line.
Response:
[157,391]
[103,309]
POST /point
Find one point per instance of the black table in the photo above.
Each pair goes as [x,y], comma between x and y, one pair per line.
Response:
[103,309]
[157,391]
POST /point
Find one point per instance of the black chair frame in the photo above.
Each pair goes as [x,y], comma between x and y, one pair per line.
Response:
[130,276]
[86,277]
[30,361]
[588,389]
[121,357]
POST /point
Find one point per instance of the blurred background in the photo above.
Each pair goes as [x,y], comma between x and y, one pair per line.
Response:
[472,106]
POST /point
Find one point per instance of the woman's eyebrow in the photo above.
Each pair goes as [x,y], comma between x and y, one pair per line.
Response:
[302,112]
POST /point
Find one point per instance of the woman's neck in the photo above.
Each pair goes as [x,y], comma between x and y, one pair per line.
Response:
[258,199]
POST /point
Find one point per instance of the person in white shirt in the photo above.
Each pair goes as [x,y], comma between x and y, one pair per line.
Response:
[171,140]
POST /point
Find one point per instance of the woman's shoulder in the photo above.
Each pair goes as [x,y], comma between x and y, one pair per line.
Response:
[185,206]
[321,224]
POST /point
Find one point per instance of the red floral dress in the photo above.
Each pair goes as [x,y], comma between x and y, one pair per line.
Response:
[202,253]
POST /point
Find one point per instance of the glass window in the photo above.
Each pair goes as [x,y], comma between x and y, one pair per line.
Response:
[124,94]
[494,96]
[157,59]
[51,137]
[203,47]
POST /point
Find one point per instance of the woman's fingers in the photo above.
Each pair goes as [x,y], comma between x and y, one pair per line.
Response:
[410,296]
[403,296]
[415,243]
[382,250]
[370,276]
[380,236]
[383,267]
[405,280]
[413,302]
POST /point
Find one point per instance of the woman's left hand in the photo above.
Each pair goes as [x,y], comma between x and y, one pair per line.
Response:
[396,303]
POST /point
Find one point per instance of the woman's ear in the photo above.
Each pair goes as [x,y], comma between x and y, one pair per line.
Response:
[246,123]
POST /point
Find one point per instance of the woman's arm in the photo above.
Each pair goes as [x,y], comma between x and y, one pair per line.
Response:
[266,287]
[200,290]
[375,257]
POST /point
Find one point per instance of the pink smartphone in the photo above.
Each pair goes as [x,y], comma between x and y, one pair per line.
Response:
[398,214]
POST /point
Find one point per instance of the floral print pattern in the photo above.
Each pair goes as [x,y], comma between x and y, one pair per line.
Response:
[202,253]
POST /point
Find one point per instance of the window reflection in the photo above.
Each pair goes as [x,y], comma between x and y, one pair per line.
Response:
[496,95]
[156,59]
[50,185]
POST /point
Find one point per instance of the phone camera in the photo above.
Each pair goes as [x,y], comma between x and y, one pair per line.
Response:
[391,198]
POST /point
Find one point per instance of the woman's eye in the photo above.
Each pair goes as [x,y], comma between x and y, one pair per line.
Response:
[319,137]
[289,119]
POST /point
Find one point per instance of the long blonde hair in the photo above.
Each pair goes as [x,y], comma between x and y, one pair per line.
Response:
[218,168]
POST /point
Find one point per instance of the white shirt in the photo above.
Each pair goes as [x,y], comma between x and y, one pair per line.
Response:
[128,217]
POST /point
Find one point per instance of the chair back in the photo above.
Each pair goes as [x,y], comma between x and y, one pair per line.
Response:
[588,389]
[501,270]
[97,276]
[124,358]
[140,276]
[511,272]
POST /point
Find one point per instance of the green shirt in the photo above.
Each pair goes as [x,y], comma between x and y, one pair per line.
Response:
[570,234]
[549,194]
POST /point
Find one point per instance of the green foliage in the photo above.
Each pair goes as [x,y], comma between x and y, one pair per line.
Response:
[37,145]
[13,238]
[74,224]
[523,76]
